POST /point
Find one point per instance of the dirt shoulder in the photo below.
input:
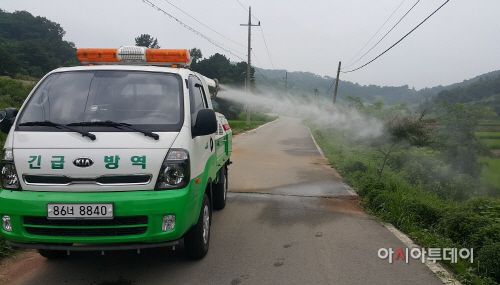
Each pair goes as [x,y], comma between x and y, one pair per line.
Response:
[20,266]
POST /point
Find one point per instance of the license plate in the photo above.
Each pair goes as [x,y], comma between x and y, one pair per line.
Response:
[80,211]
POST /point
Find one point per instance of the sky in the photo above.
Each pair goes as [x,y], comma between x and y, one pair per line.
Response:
[458,42]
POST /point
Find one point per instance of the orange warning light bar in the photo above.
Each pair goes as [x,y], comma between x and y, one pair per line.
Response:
[135,55]
[97,55]
[168,55]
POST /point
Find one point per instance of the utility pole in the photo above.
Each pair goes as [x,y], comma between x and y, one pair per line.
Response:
[336,85]
[247,89]
[286,81]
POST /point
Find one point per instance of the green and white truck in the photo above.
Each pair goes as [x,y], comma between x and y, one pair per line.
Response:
[122,153]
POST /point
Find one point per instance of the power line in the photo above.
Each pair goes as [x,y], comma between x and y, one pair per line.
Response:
[265,78]
[263,37]
[399,40]
[215,43]
[204,24]
[384,35]
[331,86]
[262,32]
[247,10]
[375,33]
[268,54]
[267,49]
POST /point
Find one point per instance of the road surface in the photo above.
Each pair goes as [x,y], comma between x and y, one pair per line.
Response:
[289,220]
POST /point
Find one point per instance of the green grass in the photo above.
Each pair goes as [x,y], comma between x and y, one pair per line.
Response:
[239,127]
[488,135]
[256,120]
[492,143]
[490,123]
[491,171]
[491,138]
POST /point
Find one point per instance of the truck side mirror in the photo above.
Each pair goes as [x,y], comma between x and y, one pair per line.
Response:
[206,123]
[7,118]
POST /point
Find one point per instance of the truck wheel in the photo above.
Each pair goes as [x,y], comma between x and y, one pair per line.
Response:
[52,254]
[197,239]
[220,189]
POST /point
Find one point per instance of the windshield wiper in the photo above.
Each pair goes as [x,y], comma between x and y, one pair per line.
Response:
[56,125]
[116,125]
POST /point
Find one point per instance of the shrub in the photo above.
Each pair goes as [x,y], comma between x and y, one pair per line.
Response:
[372,186]
[485,206]
[489,260]
[461,225]
[355,166]
[486,235]
[427,213]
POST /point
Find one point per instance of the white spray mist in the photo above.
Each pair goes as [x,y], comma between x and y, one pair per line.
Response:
[320,110]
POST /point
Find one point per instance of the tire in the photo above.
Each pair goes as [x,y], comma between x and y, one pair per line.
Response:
[52,254]
[220,189]
[197,239]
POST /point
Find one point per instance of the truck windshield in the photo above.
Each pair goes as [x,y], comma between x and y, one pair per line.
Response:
[147,100]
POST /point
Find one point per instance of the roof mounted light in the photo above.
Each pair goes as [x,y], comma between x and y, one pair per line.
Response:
[90,55]
[131,54]
[135,55]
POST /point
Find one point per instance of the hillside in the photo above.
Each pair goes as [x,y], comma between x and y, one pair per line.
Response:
[32,46]
[303,83]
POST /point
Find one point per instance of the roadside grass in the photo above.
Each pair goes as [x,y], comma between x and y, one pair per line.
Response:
[5,250]
[411,193]
[256,119]
[239,127]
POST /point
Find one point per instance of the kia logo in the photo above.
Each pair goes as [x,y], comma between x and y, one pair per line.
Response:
[83,162]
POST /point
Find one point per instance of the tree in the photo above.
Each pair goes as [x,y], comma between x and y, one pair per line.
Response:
[195,55]
[403,130]
[218,66]
[456,138]
[145,40]
[32,45]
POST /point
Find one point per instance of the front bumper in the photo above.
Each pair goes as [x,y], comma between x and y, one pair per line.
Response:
[143,212]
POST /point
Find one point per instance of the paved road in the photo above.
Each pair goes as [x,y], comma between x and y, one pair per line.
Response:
[289,220]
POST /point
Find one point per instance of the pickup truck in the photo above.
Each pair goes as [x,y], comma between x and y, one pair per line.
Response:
[122,153]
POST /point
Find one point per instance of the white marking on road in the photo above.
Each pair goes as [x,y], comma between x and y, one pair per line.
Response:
[437,268]
[316,144]
[349,189]
[253,130]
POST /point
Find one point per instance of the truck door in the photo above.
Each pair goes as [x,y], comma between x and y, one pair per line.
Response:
[203,146]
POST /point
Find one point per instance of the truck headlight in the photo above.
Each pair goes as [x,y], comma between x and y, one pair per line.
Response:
[174,172]
[10,180]
[6,224]
[168,223]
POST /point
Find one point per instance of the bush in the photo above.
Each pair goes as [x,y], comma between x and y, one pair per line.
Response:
[375,186]
[427,213]
[355,166]
[486,235]
[461,225]
[485,206]
[489,261]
